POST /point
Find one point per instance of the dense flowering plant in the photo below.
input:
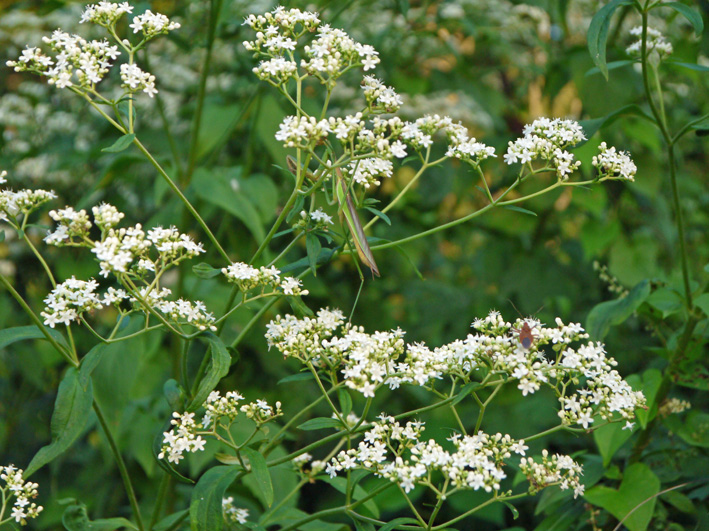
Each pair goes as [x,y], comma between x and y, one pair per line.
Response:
[134,284]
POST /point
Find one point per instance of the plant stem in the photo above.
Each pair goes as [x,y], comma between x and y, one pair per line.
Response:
[162,490]
[121,466]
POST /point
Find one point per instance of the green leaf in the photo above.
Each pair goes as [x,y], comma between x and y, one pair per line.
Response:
[690,66]
[667,300]
[206,504]
[90,362]
[519,209]
[609,439]
[217,369]
[690,14]
[650,385]
[362,526]
[345,401]
[9,336]
[598,34]
[169,521]
[259,470]
[217,124]
[75,518]
[324,257]
[227,459]
[174,394]
[300,377]
[694,430]
[591,126]
[702,302]
[299,307]
[312,246]
[205,270]
[320,423]
[611,66]
[612,313]
[465,392]
[637,493]
[71,411]
[515,512]
[223,189]
[379,214]
[121,144]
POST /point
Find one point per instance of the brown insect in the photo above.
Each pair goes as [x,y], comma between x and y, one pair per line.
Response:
[525,336]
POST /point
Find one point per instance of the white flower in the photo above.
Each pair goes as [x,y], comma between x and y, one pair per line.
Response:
[134,79]
[614,164]
[152,24]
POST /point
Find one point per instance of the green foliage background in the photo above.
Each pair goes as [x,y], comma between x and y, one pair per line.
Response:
[490,64]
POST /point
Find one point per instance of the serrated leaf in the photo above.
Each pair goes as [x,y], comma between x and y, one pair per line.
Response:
[690,14]
[259,469]
[206,503]
[612,313]
[121,144]
[9,336]
[71,411]
[519,209]
[598,34]
[220,361]
[320,423]
[205,270]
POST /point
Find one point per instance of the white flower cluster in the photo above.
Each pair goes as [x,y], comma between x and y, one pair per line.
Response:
[261,412]
[476,463]
[23,491]
[372,360]
[655,42]
[320,218]
[69,300]
[90,61]
[135,80]
[547,139]
[186,435]
[83,64]
[152,24]
[614,164]
[218,406]
[303,131]
[247,277]
[333,52]
[120,249]
[232,513]
[276,70]
[105,13]
[379,97]
[180,311]
[558,469]
[369,171]
[182,438]
[22,202]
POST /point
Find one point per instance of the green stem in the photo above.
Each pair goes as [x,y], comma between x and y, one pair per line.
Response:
[162,490]
[252,322]
[121,466]
[476,509]
[36,320]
